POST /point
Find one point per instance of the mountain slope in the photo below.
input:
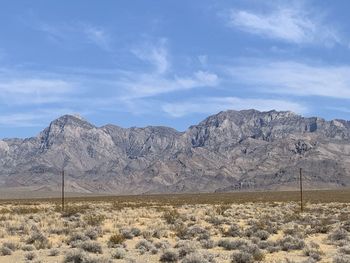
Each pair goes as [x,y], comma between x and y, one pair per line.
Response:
[232,150]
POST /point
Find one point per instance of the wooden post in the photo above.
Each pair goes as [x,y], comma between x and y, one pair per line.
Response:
[301,190]
[62,190]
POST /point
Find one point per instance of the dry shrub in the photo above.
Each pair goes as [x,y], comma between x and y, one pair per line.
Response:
[144,246]
[76,238]
[22,210]
[5,211]
[119,253]
[338,234]
[198,257]
[321,226]
[242,257]
[291,243]
[30,256]
[180,230]
[221,209]
[5,251]
[10,245]
[91,246]
[94,220]
[233,244]
[75,256]
[38,240]
[313,251]
[233,231]
[116,240]
[169,256]
[341,259]
[73,210]
[186,247]
[171,216]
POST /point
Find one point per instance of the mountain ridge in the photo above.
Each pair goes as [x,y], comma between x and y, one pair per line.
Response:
[228,151]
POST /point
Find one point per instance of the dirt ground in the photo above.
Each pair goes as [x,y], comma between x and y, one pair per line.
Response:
[241,227]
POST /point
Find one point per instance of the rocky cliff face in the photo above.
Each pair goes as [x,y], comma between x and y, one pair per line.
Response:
[232,150]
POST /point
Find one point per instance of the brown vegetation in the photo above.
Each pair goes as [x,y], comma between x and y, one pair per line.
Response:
[178,228]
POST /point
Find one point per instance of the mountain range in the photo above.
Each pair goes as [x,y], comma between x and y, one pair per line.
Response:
[244,150]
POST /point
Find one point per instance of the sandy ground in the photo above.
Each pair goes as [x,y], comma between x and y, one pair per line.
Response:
[260,232]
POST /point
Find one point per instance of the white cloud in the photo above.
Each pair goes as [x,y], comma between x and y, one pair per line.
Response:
[36,86]
[294,78]
[20,120]
[216,104]
[290,24]
[155,54]
[208,78]
[34,90]
[160,79]
[148,85]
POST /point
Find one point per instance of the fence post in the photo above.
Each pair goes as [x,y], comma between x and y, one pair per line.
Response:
[301,190]
[62,190]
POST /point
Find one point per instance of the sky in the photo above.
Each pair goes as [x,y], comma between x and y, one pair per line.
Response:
[170,62]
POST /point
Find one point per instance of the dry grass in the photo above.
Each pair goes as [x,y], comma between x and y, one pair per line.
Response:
[239,227]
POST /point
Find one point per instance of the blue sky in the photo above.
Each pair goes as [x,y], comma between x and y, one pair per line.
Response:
[173,63]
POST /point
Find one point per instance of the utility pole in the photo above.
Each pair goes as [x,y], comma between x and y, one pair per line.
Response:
[301,190]
[62,190]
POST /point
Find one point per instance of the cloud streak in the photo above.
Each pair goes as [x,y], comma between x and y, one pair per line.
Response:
[34,90]
[289,24]
[148,85]
[33,118]
[294,78]
[76,33]
[160,79]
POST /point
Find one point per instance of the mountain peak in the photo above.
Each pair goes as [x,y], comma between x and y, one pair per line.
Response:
[244,116]
[253,112]
[74,120]
[59,127]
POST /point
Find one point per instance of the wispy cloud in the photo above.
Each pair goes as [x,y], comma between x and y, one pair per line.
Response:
[34,118]
[160,79]
[147,85]
[290,24]
[154,53]
[76,33]
[294,78]
[98,36]
[34,90]
[215,104]
[21,120]
[27,101]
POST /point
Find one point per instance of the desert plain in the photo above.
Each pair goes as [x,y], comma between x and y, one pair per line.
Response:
[188,228]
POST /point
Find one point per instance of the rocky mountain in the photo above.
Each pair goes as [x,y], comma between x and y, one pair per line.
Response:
[229,151]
